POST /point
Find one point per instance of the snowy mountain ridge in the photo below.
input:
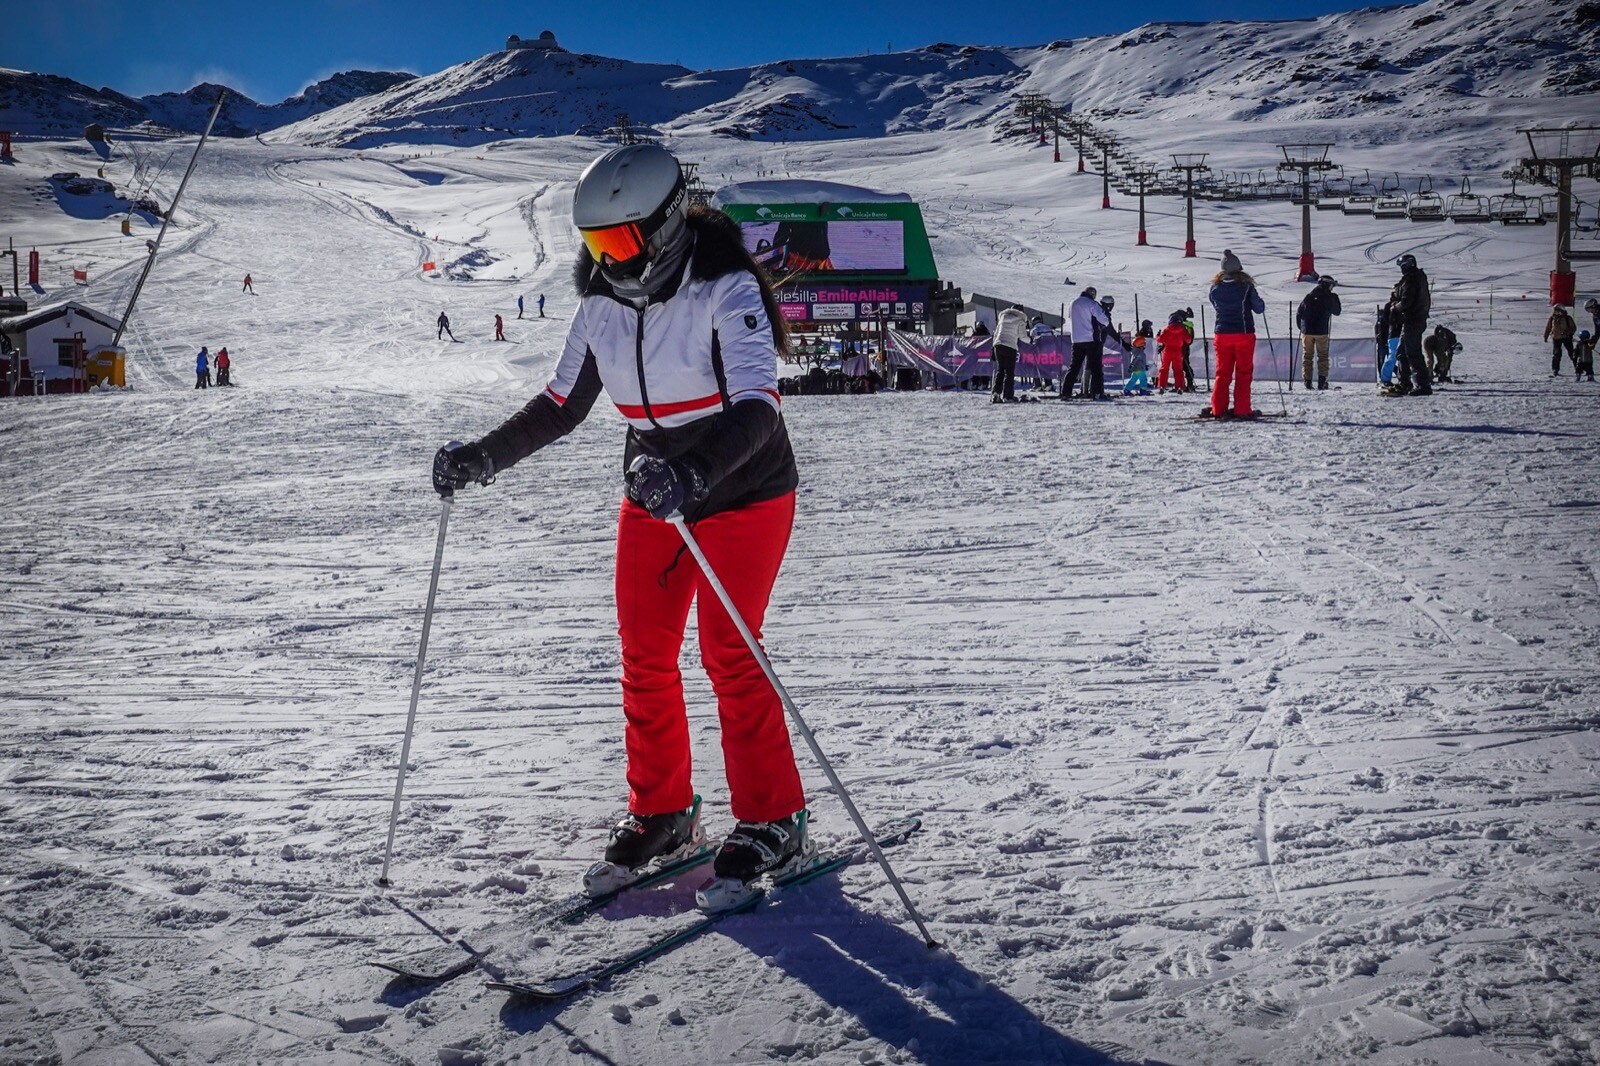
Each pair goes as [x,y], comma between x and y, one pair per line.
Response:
[1455,60]
[48,104]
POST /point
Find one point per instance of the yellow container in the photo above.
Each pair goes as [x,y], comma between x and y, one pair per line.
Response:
[108,366]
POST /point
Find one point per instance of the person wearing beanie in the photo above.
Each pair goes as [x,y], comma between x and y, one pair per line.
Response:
[1234,296]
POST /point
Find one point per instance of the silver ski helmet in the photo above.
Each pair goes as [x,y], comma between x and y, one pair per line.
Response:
[630,204]
[1107,303]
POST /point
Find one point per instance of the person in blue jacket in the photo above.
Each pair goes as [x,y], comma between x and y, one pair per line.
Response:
[202,369]
[1234,295]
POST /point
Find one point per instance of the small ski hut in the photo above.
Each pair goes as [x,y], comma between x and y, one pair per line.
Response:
[61,346]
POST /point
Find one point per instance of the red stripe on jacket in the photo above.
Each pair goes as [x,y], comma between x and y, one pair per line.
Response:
[661,410]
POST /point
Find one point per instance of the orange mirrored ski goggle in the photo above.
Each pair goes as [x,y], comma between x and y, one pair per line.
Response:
[621,243]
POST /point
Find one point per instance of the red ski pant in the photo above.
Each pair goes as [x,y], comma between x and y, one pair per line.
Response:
[1236,364]
[657,580]
[1171,360]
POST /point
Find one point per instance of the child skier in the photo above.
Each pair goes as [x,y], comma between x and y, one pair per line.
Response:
[1137,383]
[1583,356]
[499,329]
[1174,340]
[680,327]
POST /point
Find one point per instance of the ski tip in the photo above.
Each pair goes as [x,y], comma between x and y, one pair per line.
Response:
[540,993]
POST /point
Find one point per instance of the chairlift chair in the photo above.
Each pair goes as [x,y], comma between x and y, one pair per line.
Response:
[1467,206]
[1362,194]
[1426,205]
[1392,201]
[1334,190]
[1517,209]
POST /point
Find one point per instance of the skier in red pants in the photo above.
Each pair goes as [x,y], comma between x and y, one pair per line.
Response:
[681,328]
[1234,295]
[499,328]
[1173,340]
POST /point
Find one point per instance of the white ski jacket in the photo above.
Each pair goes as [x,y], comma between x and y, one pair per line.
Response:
[1011,327]
[1085,313]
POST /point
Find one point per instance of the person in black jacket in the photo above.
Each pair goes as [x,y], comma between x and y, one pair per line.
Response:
[680,327]
[1409,304]
[1441,347]
[1315,319]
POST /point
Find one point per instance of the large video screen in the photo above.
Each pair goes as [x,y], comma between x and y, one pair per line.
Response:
[838,246]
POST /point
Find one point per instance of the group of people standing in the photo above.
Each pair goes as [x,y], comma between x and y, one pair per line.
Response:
[203,364]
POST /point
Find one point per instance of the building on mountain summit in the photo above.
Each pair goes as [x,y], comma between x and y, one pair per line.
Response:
[545,43]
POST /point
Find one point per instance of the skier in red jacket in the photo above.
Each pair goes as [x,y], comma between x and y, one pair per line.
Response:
[499,328]
[1173,340]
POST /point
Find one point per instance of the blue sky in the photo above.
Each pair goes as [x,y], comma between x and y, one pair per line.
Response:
[272,50]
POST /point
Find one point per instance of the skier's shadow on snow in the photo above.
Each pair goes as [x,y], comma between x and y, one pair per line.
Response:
[870,967]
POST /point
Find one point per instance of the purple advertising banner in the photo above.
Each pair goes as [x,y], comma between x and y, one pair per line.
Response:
[960,358]
[1281,360]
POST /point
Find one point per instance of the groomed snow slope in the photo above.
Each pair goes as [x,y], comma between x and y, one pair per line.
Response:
[1269,743]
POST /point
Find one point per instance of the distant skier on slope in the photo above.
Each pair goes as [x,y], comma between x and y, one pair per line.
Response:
[202,369]
[224,365]
[679,326]
[541,305]
[444,327]
[249,286]
[499,328]
[519,306]
[1234,296]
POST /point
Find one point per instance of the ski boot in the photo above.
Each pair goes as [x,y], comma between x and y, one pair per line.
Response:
[752,852]
[1322,384]
[1308,385]
[642,844]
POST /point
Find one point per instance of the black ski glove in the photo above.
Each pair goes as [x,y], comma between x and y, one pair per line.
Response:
[664,486]
[458,465]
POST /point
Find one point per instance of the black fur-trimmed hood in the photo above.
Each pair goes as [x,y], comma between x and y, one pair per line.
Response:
[718,251]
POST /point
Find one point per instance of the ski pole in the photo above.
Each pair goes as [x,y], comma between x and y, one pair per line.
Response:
[1271,348]
[1205,339]
[800,723]
[416,686]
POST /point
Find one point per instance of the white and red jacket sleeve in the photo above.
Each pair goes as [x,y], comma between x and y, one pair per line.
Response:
[556,411]
[744,335]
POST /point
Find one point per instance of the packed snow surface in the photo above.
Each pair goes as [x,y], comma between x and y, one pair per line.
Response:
[1234,743]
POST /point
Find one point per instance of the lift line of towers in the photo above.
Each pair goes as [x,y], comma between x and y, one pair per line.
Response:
[1307,178]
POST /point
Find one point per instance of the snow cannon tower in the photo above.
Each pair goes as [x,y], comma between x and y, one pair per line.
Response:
[1554,155]
[1304,159]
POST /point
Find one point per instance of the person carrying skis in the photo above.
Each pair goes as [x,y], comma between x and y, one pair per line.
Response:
[1089,323]
[519,306]
[223,363]
[1315,319]
[444,327]
[249,286]
[1440,348]
[499,328]
[1409,304]
[202,369]
[1174,340]
[1234,295]
[682,330]
[1559,330]
[1009,330]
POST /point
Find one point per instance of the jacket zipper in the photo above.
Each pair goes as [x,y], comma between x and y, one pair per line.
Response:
[644,392]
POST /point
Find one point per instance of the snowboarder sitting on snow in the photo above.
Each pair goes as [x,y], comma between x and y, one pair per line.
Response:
[444,327]
[1174,341]
[223,365]
[680,327]
[1559,331]
[1315,319]
[1583,360]
[202,369]
[1440,347]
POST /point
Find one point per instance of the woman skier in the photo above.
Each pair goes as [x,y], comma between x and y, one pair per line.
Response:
[1234,295]
[679,326]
